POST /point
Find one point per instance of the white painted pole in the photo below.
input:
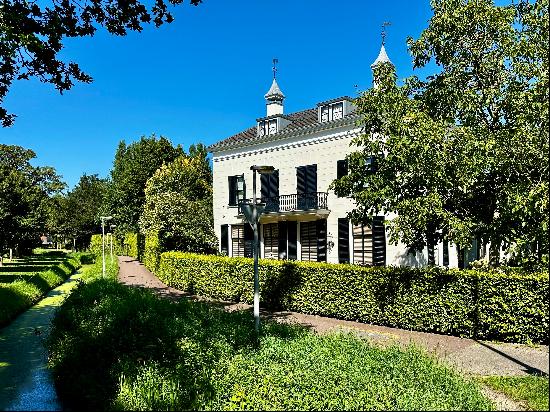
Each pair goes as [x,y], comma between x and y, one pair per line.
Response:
[103,243]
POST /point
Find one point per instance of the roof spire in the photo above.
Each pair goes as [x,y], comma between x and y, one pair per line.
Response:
[275,61]
[384,25]
[274,97]
[382,56]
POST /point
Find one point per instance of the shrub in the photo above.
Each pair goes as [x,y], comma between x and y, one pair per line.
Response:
[471,303]
[133,244]
[188,355]
[152,251]
[96,245]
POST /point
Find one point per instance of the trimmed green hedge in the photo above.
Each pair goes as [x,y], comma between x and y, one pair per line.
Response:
[471,303]
[96,245]
[133,244]
[152,252]
[20,294]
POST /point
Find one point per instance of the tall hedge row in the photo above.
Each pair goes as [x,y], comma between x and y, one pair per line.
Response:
[133,244]
[152,251]
[486,305]
[96,245]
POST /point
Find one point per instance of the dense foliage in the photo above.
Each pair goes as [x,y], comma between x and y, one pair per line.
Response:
[22,284]
[507,306]
[25,192]
[32,36]
[96,245]
[133,165]
[192,356]
[178,206]
[75,216]
[465,152]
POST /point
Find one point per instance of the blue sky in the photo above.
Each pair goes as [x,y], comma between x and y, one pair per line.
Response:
[203,77]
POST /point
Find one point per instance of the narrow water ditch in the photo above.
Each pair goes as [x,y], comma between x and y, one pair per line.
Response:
[25,381]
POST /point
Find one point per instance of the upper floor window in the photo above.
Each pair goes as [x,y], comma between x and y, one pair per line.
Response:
[236,189]
[267,127]
[332,111]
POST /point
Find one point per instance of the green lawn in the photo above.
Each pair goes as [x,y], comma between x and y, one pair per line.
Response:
[531,390]
[24,281]
[115,347]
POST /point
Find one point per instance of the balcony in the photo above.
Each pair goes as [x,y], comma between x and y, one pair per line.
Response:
[297,202]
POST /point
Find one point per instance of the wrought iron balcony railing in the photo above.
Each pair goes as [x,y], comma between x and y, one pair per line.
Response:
[294,202]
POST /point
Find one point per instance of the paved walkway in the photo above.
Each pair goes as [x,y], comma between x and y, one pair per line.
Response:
[470,356]
[25,381]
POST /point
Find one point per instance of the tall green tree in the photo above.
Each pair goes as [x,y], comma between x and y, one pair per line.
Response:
[133,165]
[76,215]
[24,197]
[464,153]
[178,206]
[32,36]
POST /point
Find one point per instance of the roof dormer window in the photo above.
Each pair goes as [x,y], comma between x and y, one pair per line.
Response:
[333,111]
[267,127]
[337,111]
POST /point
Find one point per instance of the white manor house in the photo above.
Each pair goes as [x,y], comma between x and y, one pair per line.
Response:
[303,220]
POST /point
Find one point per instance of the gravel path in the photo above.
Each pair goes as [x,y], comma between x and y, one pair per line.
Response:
[470,356]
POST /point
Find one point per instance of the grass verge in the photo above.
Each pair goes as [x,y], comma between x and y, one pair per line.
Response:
[115,347]
[25,290]
[531,390]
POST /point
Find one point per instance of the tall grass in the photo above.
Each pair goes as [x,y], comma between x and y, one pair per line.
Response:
[114,347]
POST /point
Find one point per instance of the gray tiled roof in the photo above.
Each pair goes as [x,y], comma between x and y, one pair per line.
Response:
[299,120]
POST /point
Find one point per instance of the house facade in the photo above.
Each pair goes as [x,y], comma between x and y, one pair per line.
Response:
[303,219]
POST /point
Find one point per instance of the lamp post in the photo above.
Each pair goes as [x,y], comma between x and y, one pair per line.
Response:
[252,213]
[103,220]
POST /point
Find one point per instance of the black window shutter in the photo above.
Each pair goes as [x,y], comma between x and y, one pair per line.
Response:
[232,181]
[311,179]
[274,184]
[292,233]
[248,241]
[341,168]
[282,240]
[322,240]
[224,241]
[264,183]
[378,241]
[301,179]
[343,240]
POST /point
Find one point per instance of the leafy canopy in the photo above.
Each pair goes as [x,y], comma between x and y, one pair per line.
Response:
[179,205]
[133,165]
[32,35]
[464,153]
[25,191]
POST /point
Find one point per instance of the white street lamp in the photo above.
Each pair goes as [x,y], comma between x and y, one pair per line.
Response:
[252,213]
[103,220]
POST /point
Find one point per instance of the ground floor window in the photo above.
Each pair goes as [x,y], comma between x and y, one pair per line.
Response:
[271,241]
[237,240]
[369,243]
[308,240]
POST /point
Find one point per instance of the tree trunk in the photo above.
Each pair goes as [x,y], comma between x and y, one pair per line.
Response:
[494,254]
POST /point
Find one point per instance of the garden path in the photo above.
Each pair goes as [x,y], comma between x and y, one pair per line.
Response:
[25,381]
[470,356]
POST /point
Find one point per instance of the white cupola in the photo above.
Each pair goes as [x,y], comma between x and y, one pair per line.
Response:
[274,97]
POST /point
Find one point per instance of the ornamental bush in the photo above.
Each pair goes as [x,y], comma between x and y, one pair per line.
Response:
[96,245]
[133,244]
[470,303]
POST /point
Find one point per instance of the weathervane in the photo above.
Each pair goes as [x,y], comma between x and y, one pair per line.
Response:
[384,25]
[275,61]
